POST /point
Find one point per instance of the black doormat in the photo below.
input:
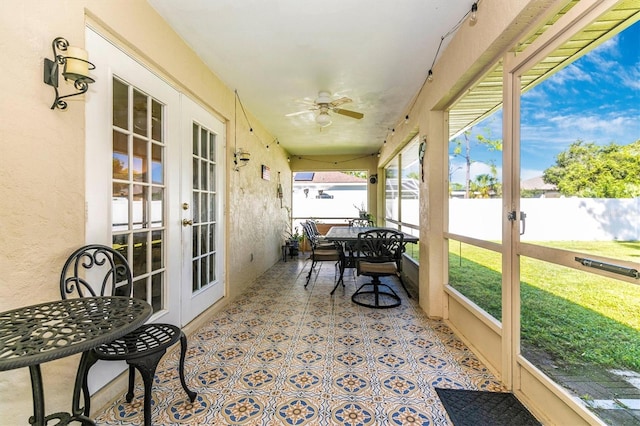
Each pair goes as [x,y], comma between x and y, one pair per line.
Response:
[478,408]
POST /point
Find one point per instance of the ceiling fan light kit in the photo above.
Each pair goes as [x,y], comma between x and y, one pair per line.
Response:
[323,119]
[324,104]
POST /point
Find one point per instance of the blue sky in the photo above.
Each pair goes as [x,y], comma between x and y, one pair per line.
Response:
[595,99]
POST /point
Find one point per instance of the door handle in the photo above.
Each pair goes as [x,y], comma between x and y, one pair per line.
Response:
[187,222]
[511,217]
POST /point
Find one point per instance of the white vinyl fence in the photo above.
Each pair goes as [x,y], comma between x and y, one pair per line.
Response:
[551,219]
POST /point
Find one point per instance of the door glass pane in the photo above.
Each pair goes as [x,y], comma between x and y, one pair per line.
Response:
[156,121]
[157,170]
[157,207]
[580,199]
[140,207]
[120,156]
[140,165]
[157,250]
[140,264]
[203,212]
[138,198]
[140,123]
[120,104]
[212,267]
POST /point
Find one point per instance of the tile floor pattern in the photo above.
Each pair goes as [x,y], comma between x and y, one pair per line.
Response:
[286,355]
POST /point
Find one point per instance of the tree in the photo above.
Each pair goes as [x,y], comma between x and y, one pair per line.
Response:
[484,186]
[593,171]
[481,140]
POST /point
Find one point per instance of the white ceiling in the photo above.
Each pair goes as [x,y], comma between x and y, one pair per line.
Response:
[278,54]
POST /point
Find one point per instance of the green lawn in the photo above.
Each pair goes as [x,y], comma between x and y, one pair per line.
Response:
[575,317]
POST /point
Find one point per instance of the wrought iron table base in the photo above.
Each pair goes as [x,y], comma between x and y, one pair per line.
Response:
[39,418]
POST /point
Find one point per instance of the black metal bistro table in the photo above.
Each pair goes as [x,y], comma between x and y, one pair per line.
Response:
[32,335]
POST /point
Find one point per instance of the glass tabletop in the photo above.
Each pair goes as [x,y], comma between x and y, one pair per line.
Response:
[350,233]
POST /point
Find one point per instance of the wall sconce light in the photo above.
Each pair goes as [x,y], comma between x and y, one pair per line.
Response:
[241,158]
[75,68]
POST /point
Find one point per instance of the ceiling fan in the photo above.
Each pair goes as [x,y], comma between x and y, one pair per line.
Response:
[324,104]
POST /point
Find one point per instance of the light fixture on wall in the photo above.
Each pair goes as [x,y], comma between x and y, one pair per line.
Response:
[241,158]
[76,68]
[474,13]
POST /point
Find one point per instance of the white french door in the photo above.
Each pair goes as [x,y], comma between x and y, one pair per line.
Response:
[155,184]
[202,209]
[132,173]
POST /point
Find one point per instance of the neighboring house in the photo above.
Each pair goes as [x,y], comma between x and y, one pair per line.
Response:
[538,188]
[320,184]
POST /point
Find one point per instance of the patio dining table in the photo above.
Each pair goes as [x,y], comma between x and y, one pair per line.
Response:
[350,233]
[347,236]
[32,335]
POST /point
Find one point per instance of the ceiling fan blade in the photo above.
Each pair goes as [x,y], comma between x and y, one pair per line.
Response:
[352,114]
[343,100]
[291,114]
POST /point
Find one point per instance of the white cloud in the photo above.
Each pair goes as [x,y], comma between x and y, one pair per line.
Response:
[530,173]
[572,72]
[630,77]
[477,168]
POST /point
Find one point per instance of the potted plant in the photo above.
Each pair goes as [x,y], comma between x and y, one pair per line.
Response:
[293,242]
[362,212]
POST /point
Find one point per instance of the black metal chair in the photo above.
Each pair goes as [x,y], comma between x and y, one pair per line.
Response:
[324,252]
[379,255]
[95,270]
[313,230]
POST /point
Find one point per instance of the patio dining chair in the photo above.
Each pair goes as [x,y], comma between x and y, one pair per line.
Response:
[98,270]
[313,229]
[324,252]
[380,255]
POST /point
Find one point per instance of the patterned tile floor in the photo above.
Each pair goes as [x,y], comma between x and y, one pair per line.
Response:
[286,355]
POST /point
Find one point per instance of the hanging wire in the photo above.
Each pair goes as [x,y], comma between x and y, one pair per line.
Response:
[299,157]
[239,101]
[429,77]
[244,112]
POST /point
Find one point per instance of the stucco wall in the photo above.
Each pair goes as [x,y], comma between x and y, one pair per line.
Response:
[42,164]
